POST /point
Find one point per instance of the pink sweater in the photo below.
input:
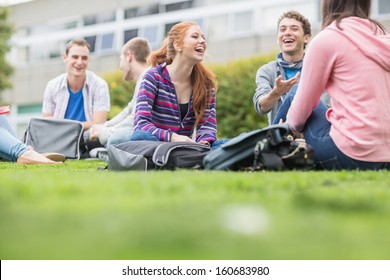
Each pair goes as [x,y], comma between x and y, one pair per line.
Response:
[353,66]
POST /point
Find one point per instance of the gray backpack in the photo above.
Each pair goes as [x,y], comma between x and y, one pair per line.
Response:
[156,155]
[55,135]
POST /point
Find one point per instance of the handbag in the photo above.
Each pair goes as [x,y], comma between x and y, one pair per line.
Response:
[55,135]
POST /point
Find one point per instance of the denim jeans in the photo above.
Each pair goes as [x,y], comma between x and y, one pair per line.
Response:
[120,135]
[144,135]
[316,133]
[282,112]
[10,146]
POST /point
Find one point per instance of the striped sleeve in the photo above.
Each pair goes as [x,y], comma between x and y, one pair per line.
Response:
[146,101]
[207,127]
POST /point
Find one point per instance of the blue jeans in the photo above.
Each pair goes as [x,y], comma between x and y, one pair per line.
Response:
[10,146]
[120,135]
[282,112]
[316,132]
[144,135]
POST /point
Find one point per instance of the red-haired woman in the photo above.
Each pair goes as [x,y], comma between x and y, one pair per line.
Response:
[176,100]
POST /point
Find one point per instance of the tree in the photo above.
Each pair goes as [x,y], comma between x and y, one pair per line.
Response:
[6,29]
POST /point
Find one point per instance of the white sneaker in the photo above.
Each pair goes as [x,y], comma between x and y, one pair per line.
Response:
[95,152]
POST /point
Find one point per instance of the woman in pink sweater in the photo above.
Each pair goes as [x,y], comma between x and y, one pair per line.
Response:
[350,59]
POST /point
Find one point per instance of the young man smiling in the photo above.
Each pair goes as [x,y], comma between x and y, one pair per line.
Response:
[78,94]
[276,78]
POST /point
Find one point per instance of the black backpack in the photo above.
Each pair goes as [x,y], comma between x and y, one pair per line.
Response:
[270,148]
[156,155]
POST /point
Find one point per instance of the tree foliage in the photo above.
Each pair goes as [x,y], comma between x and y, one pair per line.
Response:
[236,87]
[6,29]
[121,91]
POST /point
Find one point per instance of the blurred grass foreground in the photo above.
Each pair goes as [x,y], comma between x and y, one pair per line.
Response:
[75,211]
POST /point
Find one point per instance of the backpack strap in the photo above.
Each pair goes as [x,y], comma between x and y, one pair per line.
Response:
[274,135]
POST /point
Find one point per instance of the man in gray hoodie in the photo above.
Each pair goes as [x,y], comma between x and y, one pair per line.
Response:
[276,78]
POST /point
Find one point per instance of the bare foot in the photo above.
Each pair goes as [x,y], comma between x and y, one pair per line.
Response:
[32,157]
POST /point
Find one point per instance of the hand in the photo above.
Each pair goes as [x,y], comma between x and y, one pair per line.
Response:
[283,86]
[181,138]
[94,132]
[297,134]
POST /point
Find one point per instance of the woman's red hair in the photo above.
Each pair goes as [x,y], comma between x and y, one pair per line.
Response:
[203,80]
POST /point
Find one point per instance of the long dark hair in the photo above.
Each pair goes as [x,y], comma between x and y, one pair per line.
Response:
[336,10]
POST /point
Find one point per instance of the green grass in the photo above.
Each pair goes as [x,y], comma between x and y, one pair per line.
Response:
[75,211]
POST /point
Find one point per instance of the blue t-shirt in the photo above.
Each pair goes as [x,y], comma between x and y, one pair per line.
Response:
[75,109]
[290,73]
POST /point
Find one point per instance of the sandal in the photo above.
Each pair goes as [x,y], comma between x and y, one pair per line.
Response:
[55,157]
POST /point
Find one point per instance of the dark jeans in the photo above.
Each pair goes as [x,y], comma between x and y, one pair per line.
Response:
[139,135]
[316,133]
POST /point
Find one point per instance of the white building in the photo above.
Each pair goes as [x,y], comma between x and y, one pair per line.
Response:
[234,29]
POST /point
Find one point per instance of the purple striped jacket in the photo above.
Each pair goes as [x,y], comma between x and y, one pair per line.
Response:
[158,112]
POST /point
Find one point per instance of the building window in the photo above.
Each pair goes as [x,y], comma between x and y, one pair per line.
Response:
[99,18]
[179,5]
[55,26]
[101,42]
[107,42]
[130,34]
[55,53]
[92,42]
[131,13]
[383,7]
[141,11]
[151,33]
[168,27]
[29,109]
[71,25]
[41,52]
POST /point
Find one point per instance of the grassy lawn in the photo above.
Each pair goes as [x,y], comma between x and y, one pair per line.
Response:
[75,211]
